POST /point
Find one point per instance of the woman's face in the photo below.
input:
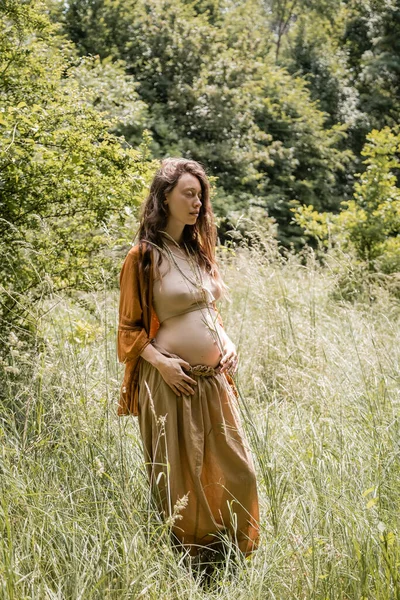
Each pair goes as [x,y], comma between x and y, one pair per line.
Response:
[184,201]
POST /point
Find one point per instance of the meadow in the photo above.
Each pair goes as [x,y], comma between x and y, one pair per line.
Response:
[319,398]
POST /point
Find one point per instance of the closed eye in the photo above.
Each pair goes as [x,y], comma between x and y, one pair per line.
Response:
[193,194]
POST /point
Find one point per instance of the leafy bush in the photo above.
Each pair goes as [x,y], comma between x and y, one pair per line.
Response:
[370,223]
[64,174]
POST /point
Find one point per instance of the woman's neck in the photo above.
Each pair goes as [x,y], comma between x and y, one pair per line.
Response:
[174,231]
[175,241]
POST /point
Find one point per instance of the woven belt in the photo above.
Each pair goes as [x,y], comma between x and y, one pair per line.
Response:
[202,370]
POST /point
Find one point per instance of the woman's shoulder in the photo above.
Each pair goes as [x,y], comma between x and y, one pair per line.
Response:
[138,249]
[143,253]
[132,257]
[133,250]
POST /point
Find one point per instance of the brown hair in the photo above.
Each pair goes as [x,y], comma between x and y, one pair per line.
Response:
[199,238]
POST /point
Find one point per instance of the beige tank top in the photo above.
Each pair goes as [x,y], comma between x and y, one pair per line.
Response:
[183,287]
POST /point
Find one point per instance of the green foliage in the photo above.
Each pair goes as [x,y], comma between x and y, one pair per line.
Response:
[215,94]
[113,93]
[370,221]
[319,403]
[282,18]
[203,78]
[64,174]
[304,159]
[315,224]
[349,54]
[95,26]
[316,54]
[372,217]
[373,43]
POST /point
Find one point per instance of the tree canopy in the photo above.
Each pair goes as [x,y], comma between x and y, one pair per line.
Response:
[278,100]
[64,174]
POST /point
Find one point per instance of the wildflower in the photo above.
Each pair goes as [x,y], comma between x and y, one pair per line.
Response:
[180,504]
[11,369]
[12,339]
[100,466]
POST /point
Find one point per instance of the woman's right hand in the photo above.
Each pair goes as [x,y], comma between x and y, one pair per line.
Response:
[171,370]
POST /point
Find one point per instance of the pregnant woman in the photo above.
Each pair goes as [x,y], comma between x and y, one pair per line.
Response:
[178,365]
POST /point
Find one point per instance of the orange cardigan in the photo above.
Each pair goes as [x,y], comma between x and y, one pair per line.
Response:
[137,326]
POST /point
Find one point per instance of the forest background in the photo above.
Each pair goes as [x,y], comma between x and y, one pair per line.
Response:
[293,108]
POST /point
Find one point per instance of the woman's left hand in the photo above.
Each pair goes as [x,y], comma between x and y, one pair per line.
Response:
[229,360]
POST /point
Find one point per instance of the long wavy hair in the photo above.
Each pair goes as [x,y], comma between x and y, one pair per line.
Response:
[199,238]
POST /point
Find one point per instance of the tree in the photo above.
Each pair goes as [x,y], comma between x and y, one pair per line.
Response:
[282,15]
[215,94]
[372,217]
[370,221]
[64,174]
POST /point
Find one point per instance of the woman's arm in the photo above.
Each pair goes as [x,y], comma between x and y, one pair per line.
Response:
[229,359]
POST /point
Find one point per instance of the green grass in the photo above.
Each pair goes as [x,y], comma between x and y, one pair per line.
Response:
[319,381]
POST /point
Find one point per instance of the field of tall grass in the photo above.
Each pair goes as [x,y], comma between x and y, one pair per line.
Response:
[319,398]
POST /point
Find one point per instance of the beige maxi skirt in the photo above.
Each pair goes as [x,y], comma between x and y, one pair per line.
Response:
[200,468]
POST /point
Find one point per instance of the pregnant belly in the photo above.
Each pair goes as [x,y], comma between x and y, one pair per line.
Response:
[191,337]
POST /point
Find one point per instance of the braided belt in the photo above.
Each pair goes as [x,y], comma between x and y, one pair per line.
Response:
[202,370]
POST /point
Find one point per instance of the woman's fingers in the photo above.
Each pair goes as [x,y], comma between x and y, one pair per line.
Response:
[181,389]
[189,379]
[176,378]
[184,364]
[228,357]
[235,365]
[184,387]
[229,362]
[188,389]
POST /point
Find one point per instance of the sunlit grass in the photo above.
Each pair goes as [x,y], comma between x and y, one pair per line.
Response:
[319,398]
